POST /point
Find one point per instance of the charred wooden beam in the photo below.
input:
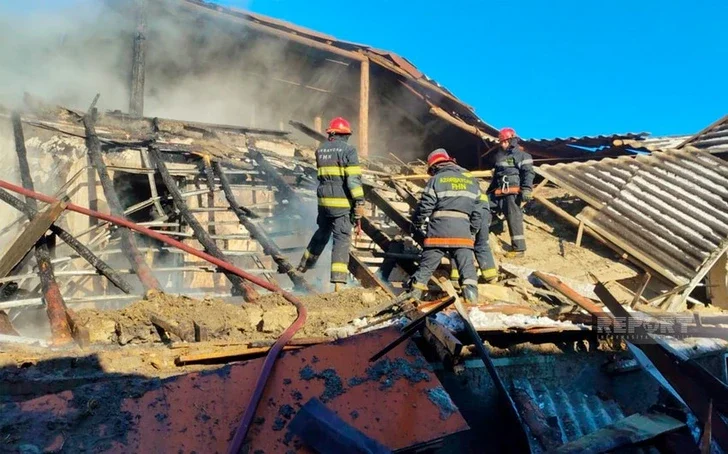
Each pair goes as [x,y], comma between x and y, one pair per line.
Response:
[6,327]
[84,252]
[312,133]
[365,276]
[138,64]
[269,246]
[275,177]
[240,287]
[210,180]
[136,260]
[376,197]
[31,234]
[55,306]
[546,434]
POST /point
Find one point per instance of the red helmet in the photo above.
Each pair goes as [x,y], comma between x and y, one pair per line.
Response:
[339,126]
[438,156]
[506,134]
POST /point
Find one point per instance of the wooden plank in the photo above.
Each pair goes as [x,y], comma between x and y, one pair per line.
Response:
[646,261]
[363,132]
[579,233]
[365,276]
[425,176]
[326,433]
[171,328]
[677,303]
[444,335]
[229,354]
[34,231]
[629,431]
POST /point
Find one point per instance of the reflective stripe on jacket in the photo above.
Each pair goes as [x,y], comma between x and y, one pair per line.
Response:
[515,166]
[339,175]
[452,202]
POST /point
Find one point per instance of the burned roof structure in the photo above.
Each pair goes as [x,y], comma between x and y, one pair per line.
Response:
[668,210]
[297,74]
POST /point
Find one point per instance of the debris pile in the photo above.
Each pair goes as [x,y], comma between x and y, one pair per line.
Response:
[609,332]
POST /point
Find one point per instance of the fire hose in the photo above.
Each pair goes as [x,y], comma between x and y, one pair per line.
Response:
[275,350]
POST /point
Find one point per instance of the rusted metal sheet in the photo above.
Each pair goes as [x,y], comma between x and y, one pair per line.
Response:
[669,209]
[397,401]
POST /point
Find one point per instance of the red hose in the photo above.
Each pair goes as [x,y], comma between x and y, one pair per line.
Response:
[275,350]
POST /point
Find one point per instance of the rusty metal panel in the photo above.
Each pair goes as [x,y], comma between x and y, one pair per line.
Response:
[670,207]
[397,401]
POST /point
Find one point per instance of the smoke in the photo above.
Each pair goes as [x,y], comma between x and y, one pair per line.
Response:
[199,67]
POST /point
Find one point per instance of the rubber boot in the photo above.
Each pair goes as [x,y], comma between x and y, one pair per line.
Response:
[470,294]
[515,254]
[490,275]
[338,286]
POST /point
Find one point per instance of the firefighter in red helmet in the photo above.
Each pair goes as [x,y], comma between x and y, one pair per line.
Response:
[340,201]
[448,215]
[512,185]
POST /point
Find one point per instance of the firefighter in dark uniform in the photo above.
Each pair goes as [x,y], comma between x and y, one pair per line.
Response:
[340,201]
[449,213]
[512,185]
[483,252]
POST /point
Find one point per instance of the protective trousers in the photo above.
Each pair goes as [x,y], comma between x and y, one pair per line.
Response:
[340,227]
[508,205]
[462,259]
[483,252]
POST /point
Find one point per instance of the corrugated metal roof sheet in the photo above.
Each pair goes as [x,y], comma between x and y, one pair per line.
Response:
[713,139]
[654,143]
[571,412]
[579,148]
[669,208]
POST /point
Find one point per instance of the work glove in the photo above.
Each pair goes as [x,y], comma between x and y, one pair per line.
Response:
[357,213]
[527,195]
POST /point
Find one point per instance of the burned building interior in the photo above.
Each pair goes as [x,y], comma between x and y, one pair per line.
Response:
[157,199]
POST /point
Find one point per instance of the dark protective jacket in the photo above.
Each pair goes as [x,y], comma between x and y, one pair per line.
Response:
[452,202]
[339,176]
[513,168]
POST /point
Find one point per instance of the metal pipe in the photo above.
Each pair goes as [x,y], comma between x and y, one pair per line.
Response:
[270,359]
